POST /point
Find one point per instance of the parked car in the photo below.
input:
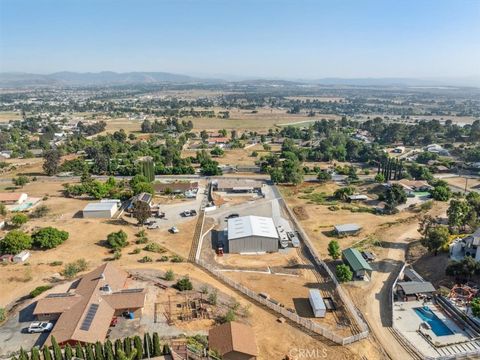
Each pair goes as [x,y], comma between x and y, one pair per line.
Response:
[189,213]
[40,327]
[231,216]
[152,226]
[173,230]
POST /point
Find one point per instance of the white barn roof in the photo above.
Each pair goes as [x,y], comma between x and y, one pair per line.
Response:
[251,226]
[101,206]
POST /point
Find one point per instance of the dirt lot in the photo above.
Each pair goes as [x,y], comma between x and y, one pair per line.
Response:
[6,116]
[472,184]
[318,220]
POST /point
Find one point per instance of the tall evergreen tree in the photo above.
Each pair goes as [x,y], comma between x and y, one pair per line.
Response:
[89,355]
[147,345]
[118,347]
[166,349]
[98,351]
[35,353]
[47,355]
[139,347]
[79,353]
[108,350]
[127,344]
[157,349]
[68,352]
[23,355]
[57,352]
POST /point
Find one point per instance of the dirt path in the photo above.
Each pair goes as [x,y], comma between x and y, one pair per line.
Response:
[378,304]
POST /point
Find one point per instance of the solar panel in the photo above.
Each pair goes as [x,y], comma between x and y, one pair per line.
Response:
[130,290]
[59,295]
[87,321]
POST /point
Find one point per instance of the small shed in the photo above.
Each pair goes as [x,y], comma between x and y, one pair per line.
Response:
[317,303]
[357,263]
[347,229]
[101,210]
[21,257]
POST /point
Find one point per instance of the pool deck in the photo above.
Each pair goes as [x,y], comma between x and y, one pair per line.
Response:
[407,322]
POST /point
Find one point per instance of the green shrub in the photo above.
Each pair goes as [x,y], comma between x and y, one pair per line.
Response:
[3,314]
[154,247]
[343,273]
[49,238]
[19,219]
[169,275]
[14,242]
[184,284]
[136,251]
[117,240]
[145,259]
[176,259]
[73,268]
[163,258]
[39,212]
[39,289]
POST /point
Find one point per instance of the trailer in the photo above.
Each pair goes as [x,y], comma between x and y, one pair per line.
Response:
[317,303]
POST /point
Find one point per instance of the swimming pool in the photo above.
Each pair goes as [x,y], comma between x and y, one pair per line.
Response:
[24,206]
[437,325]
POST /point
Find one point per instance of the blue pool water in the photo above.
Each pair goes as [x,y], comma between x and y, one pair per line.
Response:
[437,325]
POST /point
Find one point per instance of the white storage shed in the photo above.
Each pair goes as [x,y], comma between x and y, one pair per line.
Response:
[317,303]
[101,210]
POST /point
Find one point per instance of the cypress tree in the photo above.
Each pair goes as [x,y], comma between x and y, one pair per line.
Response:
[118,347]
[157,349]
[23,355]
[108,350]
[57,352]
[147,345]
[127,344]
[68,352]
[47,355]
[35,353]
[98,351]
[89,355]
[79,351]
[166,349]
[138,346]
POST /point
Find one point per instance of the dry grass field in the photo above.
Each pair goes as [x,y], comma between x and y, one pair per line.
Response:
[318,220]
[6,116]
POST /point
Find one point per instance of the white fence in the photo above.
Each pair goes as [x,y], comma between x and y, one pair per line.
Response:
[341,293]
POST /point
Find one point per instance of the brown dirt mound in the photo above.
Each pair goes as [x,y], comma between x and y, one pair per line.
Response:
[300,213]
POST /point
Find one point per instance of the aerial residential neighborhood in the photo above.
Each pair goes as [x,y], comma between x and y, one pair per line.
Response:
[239,180]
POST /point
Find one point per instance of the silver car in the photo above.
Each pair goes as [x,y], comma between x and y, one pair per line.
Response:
[39,327]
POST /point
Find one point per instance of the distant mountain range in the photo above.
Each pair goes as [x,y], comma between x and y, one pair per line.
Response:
[67,78]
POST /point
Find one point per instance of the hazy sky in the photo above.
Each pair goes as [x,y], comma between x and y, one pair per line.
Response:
[286,39]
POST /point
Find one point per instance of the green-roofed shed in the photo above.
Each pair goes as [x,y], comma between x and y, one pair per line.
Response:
[357,263]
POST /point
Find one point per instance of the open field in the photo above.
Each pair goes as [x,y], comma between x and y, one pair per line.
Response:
[460,182]
[318,220]
[6,116]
